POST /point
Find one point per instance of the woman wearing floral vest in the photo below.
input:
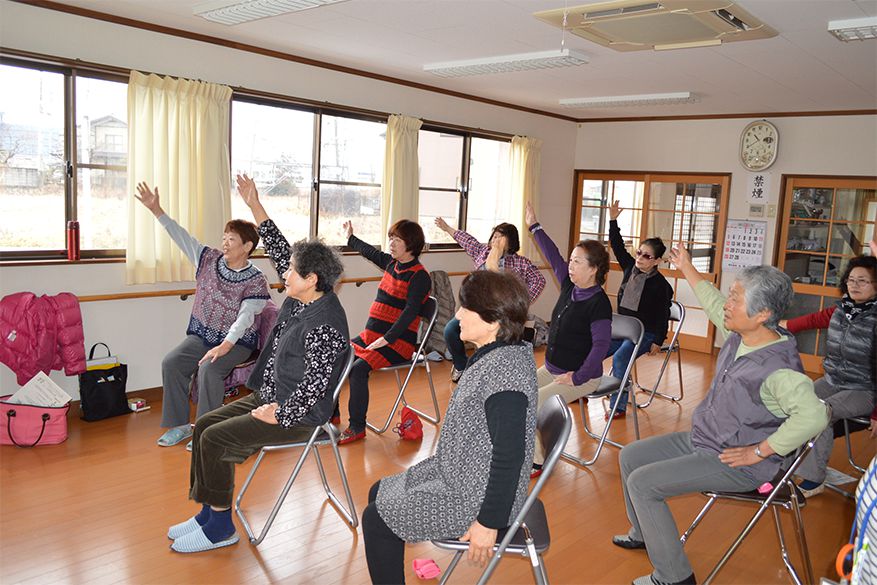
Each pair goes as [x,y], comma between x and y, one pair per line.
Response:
[759,408]
[229,292]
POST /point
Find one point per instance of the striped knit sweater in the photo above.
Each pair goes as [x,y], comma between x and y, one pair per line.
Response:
[395,313]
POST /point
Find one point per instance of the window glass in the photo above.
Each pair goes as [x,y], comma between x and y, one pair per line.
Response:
[440,157]
[32,160]
[274,146]
[101,159]
[489,176]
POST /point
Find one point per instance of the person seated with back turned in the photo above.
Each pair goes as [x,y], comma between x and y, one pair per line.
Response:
[295,375]
[229,292]
[499,253]
[849,385]
[581,323]
[759,408]
[390,335]
[645,294]
[476,482]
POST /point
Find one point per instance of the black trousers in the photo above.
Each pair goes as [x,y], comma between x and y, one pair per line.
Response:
[384,551]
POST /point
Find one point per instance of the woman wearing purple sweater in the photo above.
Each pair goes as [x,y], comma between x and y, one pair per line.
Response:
[581,322]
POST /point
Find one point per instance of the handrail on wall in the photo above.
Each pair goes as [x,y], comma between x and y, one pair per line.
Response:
[184,293]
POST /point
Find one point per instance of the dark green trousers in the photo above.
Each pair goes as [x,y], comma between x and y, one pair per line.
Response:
[227,436]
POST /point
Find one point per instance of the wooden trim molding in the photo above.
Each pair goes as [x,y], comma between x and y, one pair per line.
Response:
[176,32]
[727,116]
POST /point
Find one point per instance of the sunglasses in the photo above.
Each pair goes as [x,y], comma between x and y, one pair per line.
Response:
[645,255]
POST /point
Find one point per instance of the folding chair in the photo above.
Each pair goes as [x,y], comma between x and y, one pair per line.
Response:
[630,329]
[677,314]
[528,535]
[427,314]
[322,435]
[851,425]
[785,494]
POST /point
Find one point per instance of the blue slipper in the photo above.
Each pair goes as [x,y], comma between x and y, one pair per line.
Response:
[178,530]
[189,446]
[197,541]
[175,435]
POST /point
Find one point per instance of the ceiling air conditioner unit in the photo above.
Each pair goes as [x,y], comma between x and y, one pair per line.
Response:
[636,25]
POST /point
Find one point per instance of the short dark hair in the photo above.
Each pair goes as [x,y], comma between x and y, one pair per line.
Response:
[409,232]
[657,246]
[497,297]
[513,241]
[247,231]
[315,257]
[597,257]
[869,263]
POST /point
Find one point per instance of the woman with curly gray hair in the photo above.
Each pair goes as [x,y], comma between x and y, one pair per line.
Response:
[294,376]
[759,408]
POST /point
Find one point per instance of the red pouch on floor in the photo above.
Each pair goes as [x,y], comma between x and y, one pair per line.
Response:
[411,427]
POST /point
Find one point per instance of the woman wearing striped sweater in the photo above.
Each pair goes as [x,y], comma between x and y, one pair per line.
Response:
[390,335]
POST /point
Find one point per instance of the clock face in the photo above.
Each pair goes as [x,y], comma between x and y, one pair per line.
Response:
[758,145]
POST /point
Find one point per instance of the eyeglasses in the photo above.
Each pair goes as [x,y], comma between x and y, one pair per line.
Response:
[858,282]
[645,255]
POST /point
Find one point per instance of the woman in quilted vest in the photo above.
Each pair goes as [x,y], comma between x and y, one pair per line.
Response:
[222,333]
[476,482]
[850,363]
[760,407]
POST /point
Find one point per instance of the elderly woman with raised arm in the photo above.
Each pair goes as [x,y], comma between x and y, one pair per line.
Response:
[849,385]
[581,322]
[229,292]
[499,253]
[476,482]
[759,408]
[293,377]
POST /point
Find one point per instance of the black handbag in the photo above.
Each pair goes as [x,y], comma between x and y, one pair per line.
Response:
[102,389]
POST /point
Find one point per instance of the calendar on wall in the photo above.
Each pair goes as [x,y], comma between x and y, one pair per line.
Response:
[744,244]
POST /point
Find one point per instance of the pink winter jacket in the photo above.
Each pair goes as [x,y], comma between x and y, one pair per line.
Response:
[41,333]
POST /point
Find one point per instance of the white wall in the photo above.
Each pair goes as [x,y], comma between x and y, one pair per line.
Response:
[142,331]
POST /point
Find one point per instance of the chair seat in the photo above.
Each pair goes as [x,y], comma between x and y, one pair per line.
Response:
[403,365]
[535,520]
[784,496]
[608,385]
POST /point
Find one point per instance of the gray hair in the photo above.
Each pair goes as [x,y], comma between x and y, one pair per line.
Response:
[766,288]
[315,257]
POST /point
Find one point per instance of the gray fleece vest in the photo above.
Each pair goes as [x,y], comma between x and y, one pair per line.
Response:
[289,364]
[733,414]
[850,348]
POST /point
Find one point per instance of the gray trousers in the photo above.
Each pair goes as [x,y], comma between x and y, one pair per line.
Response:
[844,404]
[658,468]
[227,436]
[177,369]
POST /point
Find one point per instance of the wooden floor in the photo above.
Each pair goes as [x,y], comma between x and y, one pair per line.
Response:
[96,508]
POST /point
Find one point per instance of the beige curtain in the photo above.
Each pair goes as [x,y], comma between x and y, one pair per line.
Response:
[401,184]
[525,164]
[178,140]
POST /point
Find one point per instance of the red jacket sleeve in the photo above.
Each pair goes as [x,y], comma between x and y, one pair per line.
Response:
[818,320]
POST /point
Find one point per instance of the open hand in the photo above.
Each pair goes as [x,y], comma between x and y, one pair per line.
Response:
[149,198]
[654,349]
[481,541]
[347,226]
[530,215]
[266,413]
[443,225]
[565,379]
[216,353]
[739,456]
[247,190]
[680,257]
[377,343]
[615,209]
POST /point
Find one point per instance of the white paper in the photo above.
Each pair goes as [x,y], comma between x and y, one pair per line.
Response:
[40,391]
[744,243]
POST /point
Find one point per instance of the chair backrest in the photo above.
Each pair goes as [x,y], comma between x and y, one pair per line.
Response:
[428,314]
[677,312]
[349,356]
[627,327]
[266,320]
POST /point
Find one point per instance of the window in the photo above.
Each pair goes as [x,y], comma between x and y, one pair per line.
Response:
[440,156]
[488,198]
[686,209]
[349,182]
[274,146]
[57,172]
[826,222]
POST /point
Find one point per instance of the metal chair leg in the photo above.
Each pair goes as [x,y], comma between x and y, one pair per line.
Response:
[850,447]
[349,512]
[433,418]
[802,538]
[697,519]
[400,398]
[739,540]
[653,392]
[784,551]
[447,574]
[602,439]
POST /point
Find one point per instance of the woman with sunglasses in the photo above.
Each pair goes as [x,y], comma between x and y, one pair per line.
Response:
[644,293]
[850,362]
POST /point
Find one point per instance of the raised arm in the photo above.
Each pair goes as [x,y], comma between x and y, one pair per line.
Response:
[189,245]
[616,241]
[548,247]
[366,250]
[248,192]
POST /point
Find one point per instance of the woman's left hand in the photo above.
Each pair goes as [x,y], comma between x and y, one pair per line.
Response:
[216,353]
[739,456]
[655,349]
[265,413]
[565,379]
[377,343]
[481,540]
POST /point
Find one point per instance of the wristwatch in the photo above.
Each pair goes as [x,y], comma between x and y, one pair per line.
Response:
[758,452]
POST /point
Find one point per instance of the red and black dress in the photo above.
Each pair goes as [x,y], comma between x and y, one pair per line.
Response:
[394,315]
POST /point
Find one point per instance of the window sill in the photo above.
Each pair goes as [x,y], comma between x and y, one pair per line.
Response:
[11,263]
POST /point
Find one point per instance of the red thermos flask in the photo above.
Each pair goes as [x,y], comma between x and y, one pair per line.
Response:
[73,240]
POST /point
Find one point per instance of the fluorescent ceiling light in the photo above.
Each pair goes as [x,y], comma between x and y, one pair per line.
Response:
[855,29]
[235,12]
[646,99]
[506,63]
